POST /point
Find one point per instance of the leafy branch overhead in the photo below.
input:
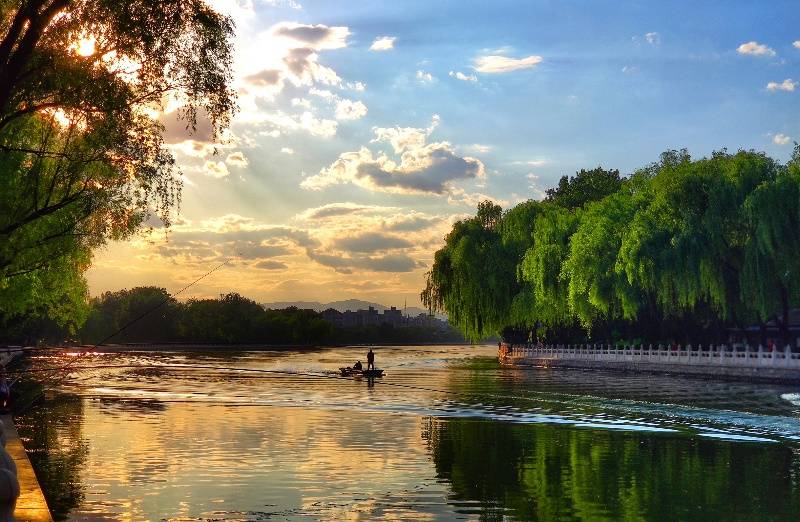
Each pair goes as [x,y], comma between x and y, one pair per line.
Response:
[83,84]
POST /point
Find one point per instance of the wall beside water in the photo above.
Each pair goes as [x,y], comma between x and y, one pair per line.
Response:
[722,361]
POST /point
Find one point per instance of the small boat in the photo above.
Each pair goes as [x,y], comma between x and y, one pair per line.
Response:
[352,372]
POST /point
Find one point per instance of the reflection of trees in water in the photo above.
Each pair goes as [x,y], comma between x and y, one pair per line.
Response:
[58,452]
[548,472]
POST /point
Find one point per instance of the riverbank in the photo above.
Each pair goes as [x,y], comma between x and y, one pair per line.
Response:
[754,364]
[31,504]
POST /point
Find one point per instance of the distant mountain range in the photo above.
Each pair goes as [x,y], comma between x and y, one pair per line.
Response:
[342,306]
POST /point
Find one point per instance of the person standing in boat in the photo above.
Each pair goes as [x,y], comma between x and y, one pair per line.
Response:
[370,360]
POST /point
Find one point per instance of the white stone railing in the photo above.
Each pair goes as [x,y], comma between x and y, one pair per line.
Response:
[721,355]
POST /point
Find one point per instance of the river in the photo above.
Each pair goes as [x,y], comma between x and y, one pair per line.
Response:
[447,434]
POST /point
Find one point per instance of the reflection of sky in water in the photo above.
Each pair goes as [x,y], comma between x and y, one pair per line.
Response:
[189,443]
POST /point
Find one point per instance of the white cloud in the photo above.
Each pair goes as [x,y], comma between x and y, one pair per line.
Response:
[458,75]
[477,148]
[796,44]
[281,122]
[287,150]
[215,169]
[350,110]
[787,85]
[301,102]
[532,163]
[629,69]
[496,64]
[781,139]
[236,159]
[193,148]
[423,168]
[383,43]
[425,77]
[356,86]
[755,49]
[653,38]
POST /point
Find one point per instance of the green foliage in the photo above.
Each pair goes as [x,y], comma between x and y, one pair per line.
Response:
[473,276]
[585,186]
[683,245]
[151,315]
[82,158]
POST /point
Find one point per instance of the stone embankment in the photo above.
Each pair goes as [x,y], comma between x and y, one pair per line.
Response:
[722,361]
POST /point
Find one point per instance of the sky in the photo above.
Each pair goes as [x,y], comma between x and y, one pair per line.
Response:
[365,129]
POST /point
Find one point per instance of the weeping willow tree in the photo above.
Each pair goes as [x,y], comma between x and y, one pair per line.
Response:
[686,247]
[472,278]
[541,266]
[770,276]
[682,246]
[598,288]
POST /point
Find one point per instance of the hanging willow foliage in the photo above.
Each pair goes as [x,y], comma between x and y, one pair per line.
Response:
[714,240]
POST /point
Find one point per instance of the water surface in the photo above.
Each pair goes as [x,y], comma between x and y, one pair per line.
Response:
[447,434]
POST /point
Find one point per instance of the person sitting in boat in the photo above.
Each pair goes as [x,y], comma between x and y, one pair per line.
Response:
[357,365]
[370,360]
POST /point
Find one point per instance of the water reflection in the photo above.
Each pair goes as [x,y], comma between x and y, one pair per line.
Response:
[54,442]
[444,436]
[549,473]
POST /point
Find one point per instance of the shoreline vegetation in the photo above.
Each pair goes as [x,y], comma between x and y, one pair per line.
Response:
[683,250]
[151,316]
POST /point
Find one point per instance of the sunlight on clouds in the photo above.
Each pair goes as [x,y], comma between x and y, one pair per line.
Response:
[781,139]
[458,75]
[350,110]
[496,64]
[236,159]
[215,169]
[755,49]
[787,85]
[423,168]
[382,43]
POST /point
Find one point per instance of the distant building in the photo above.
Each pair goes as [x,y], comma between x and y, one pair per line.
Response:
[371,317]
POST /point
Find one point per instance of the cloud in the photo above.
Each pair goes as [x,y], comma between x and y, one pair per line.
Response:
[458,75]
[383,43]
[193,148]
[781,139]
[425,77]
[265,78]
[215,169]
[350,110]
[629,69]
[755,49]
[271,265]
[387,263]
[423,168]
[413,222]
[787,85]
[317,37]
[341,209]
[236,159]
[462,197]
[496,64]
[287,150]
[477,148]
[371,242]
[796,44]
[653,38]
